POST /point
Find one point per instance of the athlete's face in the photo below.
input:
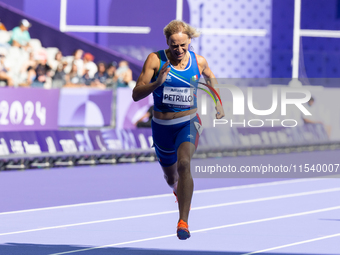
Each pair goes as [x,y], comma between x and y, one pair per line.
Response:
[178,45]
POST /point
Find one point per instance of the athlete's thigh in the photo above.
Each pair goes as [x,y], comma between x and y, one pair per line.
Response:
[164,143]
[189,132]
[185,151]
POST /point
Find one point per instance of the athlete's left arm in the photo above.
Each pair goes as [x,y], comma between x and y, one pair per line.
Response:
[211,80]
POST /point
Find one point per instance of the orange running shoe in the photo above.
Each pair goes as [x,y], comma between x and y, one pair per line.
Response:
[182,230]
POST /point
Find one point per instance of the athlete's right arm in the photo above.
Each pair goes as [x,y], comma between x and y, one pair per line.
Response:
[143,86]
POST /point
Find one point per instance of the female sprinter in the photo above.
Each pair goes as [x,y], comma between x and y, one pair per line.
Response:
[175,125]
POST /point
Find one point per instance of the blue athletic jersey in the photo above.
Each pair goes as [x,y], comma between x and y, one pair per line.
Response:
[179,91]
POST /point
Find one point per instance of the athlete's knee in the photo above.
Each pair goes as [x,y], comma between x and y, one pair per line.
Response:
[183,166]
[171,179]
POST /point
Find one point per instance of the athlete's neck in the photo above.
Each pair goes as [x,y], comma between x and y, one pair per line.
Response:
[179,63]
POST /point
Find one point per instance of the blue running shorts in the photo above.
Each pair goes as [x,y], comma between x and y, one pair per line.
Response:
[169,134]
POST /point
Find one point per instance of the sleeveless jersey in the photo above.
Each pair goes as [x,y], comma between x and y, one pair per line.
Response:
[179,91]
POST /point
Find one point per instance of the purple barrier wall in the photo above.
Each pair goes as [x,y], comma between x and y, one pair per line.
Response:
[128,111]
[263,136]
[35,142]
[20,143]
[48,141]
[23,109]
[106,140]
[85,108]
[28,109]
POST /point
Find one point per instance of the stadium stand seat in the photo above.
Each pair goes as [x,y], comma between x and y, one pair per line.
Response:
[5,36]
[51,52]
[35,44]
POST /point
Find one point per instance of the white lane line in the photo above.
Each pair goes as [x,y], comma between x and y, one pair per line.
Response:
[208,229]
[176,211]
[86,204]
[293,244]
[112,245]
[258,185]
[88,223]
[268,198]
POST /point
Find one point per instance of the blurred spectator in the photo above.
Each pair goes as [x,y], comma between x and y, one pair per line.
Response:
[145,120]
[89,65]
[30,77]
[312,119]
[4,37]
[78,61]
[4,68]
[111,70]
[58,70]
[59,77]
[73,79]
[123,74]
[2,26]
[100,77]
[43,72]
[27,72]
[86,79]
[315,117]
[20,35]
[57,61]
[31,62]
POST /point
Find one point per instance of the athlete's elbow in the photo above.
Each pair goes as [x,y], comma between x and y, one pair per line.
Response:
[135,96]
[135,99]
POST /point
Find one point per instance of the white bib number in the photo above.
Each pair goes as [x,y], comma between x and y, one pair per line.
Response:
[178,96]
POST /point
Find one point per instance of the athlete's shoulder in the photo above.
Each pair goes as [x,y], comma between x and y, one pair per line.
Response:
[201,61]
[153,56]
[152,60]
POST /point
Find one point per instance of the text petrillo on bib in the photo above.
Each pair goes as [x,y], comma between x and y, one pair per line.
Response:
[178,96]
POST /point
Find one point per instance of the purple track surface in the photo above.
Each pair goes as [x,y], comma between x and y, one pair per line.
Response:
[128,209]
